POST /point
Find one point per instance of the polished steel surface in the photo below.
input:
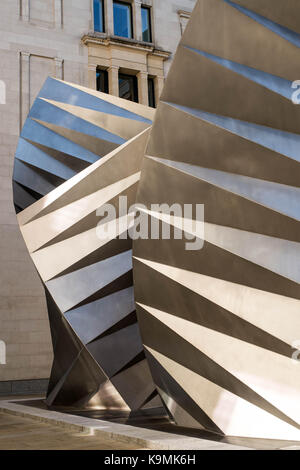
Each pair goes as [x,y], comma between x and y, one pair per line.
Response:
[220,325]
[79,150]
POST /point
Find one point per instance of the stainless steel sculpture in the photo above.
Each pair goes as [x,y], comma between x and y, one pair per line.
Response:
[220,325]
[98,142]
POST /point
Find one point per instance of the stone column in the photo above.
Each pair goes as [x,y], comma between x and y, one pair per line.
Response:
[158,84]
[59,68]
[113,80]
[142,78]
[58,20]
[24,87]
[25,10]
[109,17]
[92,70]
[137,20]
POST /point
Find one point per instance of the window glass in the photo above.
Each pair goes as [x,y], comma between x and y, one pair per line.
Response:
[123,19]
[151,92]
[102,80]
[98,16]
[128,87]
[146,24]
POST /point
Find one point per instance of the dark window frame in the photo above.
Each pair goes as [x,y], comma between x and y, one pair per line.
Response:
[149,10]
[129,5]
[103,15]
[151,91]
[133,79]
[105,80]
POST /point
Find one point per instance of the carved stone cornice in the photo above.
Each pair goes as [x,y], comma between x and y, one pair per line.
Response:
[105,40]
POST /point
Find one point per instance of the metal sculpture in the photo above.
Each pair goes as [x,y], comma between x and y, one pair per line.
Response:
[96,143]
[220,325]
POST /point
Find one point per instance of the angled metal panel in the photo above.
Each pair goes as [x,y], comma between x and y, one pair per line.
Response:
[88,281]
[220,324]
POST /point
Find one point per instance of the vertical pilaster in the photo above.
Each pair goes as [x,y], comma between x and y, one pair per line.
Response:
[113,80]
[59,68]
[92,70]
[142,78]
[109,17]
[25,10]
[137,20]
[24,86]
[58,9]
[158,84]
[2,92]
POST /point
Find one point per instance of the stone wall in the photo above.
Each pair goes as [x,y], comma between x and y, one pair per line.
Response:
[169,23]
[34,42]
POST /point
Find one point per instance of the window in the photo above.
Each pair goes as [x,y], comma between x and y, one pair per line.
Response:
[123,19]
[98,16]
[128,87]
[102,80]
[151,92]
[146,24]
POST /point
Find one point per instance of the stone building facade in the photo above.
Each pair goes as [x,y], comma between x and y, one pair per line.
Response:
[63,38]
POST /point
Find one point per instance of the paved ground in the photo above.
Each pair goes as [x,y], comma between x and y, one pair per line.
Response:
[18,433]
[25,424]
